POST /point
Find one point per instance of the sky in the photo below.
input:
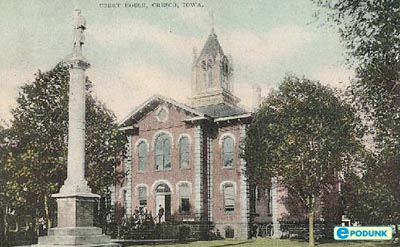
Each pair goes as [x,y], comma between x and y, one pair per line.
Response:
[138,52]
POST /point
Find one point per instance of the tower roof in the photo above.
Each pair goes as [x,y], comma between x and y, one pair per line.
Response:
[212,46]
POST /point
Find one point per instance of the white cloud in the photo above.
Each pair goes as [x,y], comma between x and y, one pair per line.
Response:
[115,34]
[196,18]
[10,81]
[334,76]
[245,92]
[135,84]
[253,48]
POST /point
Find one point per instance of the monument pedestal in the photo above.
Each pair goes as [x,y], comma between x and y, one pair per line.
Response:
[75,223]
[75,202]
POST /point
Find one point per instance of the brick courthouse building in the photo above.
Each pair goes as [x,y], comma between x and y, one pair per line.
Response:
[187,158]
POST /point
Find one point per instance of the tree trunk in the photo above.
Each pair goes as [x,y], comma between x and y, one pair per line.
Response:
[311,223]
[311,228]
[5,220]
[47,212]
[37,225]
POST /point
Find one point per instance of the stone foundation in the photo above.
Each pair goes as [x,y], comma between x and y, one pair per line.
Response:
[240,230]
[75,224]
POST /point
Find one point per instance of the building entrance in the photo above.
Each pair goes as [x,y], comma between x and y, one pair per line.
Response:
[163,198]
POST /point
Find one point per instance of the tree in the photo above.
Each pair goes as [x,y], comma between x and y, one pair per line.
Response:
[3,176]
[371,32]
[304,135]
[364,193]
[37,154]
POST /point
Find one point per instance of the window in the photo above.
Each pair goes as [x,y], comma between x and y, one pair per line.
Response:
[229,198]
[162,115]
[163,152]
[163,188]
[207,64]
[142,196]
[269,211]
[229,232]
[228,152]
[142,156]
[184,195]
[184,152]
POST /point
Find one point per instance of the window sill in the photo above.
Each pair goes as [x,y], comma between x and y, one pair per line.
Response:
[169,169]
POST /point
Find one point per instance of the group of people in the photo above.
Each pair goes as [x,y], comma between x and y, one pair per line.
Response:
[142,214]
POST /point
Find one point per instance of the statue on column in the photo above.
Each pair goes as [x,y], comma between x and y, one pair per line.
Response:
[79,27]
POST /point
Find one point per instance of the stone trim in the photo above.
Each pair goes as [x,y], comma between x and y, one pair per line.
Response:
[184,135]
[113,194]
[128,170]
[128,119]
[210,167]
[244,190]
[158,133]
[198,153]
[275,222]
[138,142]
[223,136]
[160,108]
[141,185]
[161,181]
[222,185]
[184,182]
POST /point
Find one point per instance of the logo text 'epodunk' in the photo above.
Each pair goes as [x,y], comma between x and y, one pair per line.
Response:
[362,233]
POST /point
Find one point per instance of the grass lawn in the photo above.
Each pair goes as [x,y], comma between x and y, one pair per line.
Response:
[265,242]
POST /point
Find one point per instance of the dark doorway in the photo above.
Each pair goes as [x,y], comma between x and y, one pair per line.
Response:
[167,207]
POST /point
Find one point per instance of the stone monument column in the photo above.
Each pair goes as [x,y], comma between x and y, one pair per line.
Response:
[75,201]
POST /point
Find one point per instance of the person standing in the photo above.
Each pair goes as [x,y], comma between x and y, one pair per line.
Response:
[160,214]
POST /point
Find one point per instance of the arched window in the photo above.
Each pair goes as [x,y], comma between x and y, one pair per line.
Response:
[142,156]
[184,197]
[184,152]
[162,152]
[162,188]
[227,154]
[229,197]
[207,64]
[142,196]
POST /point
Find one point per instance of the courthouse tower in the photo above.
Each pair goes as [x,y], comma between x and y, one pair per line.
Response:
[212,75]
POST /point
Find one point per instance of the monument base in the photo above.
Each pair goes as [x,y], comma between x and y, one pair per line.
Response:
[75,223]
[73,236]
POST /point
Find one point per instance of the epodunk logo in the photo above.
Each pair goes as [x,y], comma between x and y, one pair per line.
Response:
[363,233]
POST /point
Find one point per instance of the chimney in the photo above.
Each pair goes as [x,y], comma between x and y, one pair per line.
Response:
[256,97]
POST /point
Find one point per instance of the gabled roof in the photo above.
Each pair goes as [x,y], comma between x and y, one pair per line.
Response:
[212,46]
[152,103]
[215,113]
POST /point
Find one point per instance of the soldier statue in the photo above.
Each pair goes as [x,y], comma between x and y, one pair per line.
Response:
[79,27]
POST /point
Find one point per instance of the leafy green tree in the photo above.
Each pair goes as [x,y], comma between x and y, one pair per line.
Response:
[371,32]
[304,135]
[38,143]
[3,176]
[364,193]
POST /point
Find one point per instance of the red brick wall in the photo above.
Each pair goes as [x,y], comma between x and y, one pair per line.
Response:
[148,128]
[221,174]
